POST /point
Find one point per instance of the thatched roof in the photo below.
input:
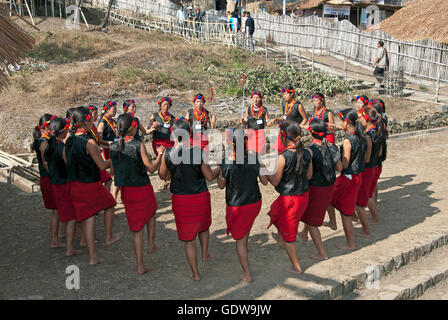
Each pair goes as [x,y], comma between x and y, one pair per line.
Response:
[13,43]
[309,4]
[417,20]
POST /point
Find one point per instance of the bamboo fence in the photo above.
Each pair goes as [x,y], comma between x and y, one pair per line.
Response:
[425,59]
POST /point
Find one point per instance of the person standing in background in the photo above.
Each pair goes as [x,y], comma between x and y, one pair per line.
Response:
[250,29]
[381,63]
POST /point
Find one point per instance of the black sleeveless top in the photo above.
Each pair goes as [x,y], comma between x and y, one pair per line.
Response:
[128,165]
[325,117]
[241,183]
[163,132]
[108,132]
[318,179]
[80,165]
[186,175]
[253,123]
[195,124]
[294,115]
[357,156]
[375,151]
[56,164]
[42,171]
[293,184]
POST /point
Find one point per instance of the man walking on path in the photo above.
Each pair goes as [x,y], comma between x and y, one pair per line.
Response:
[381,63]
[249,30]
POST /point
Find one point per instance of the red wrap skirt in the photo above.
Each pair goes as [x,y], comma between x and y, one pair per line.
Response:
[47,193]
[345,193]
[330,138]
[319,201]
[199,140]
[364,192]
[192,213]
[286,213]
[240,219]
[106,153]
[161,142]
[104,176]
[90,198]
[64,202]
[279,145]
[140,204]
[256,140]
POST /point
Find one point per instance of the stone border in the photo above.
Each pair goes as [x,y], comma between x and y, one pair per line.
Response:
[385,267]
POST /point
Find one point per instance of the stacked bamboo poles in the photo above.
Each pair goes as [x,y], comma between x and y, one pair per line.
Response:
[14,42]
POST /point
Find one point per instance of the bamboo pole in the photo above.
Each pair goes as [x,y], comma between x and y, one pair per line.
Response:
[83,17]
[29,12]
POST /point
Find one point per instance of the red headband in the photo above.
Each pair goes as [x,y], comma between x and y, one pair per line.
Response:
[256,93]
[200,97]
[320,134]
[169,100]
[342,117]
[288,91]
[367,117]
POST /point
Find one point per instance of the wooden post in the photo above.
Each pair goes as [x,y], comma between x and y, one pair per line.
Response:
[46,12]
[266,45]
[52,8]
[345,68]
[60,10]
[312,61]
[83,17]
[437,85]
[29,12]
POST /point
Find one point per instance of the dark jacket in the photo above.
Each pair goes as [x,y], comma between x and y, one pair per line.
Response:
[250,25]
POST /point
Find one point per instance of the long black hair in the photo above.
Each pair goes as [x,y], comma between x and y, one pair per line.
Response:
[233,138]
[79,116]
[124,123]
[57,126]
[318,130]
[351,116]
[37,131]
[181,124]
[292,131]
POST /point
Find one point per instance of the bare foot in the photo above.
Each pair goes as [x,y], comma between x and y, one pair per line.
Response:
[331,225]
[115,238]
[210,257]
[345,247]
[294,270]
[279,240]
[84,244]
[143,270]
[304,236]
[363,234]
[373,221]
[195,277]
[246,277]
[318,257]
[57,244]
[96,261]
[72,252]
[155,248]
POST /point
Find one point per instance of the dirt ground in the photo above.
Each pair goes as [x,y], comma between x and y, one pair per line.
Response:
[412,208]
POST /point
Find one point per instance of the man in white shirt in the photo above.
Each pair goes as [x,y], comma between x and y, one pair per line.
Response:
[180,15]
[381,63]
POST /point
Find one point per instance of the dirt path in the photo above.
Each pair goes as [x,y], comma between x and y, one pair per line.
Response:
[412,206]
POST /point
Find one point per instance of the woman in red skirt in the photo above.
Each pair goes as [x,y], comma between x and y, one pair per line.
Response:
[130,161]
[243,198]
[326,161]
[256,119]
[349,181]
[322,113]
[191,204]
[294,169]
[105,177]
[89,196]
[293,110]
[377,134]
[200,120]
[41,134]
[58,178]
[162,121]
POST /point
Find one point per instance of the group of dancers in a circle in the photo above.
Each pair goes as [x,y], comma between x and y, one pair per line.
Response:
[79,158]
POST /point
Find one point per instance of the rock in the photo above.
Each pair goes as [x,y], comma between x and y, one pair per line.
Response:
[442,108]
